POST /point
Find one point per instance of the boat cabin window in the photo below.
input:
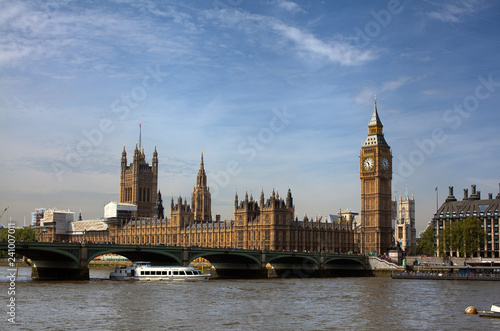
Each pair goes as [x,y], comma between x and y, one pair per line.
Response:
[189,273]
[147,273]
[176,273]
[164,272]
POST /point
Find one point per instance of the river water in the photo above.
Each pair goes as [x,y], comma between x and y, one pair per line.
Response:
[271,304]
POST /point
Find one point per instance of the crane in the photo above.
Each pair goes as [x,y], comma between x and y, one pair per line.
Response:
[4,211]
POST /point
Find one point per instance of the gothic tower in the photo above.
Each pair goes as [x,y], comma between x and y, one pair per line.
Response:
[405,232]
[201,200]
[158,209]
[375,163]
[139,182]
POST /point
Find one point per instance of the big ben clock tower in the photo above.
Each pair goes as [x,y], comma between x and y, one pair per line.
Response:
[375,163]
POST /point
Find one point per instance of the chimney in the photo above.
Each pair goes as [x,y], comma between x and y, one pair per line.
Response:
[490,196]
[450,195]
[466,194]
[475,195]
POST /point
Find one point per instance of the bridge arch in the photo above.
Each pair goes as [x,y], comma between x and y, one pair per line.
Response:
[294,266]
[355,263]
[297,259]
[51,254]
[136,253]
[232,263]
[222,257]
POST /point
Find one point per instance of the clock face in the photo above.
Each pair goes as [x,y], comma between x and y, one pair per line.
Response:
[368,163]
[385,164]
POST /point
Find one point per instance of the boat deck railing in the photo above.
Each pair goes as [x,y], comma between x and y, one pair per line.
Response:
[445,275]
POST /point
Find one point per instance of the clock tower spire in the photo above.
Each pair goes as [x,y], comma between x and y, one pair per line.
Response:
[375,175]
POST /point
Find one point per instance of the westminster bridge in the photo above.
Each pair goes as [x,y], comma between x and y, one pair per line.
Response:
[69,261]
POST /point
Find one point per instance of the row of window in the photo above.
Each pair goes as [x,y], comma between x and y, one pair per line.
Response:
[169,272]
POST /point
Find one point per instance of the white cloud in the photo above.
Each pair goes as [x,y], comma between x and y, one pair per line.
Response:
[393,85]
[88,39]
[336,51]
[366,94]
[290,6]
[454,12]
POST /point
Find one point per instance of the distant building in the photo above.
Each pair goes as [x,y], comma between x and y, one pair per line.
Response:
[58,220]
[37,215]
[60,225]
[119,210]
[486,210]
[405,233]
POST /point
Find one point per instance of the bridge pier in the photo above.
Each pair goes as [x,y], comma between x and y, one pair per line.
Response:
[58,270]
[62,270]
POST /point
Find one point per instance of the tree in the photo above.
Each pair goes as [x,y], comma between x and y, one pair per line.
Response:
[471,235]
[21,234]
[463,236]
[426,244]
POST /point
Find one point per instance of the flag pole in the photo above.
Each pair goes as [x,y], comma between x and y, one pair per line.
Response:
[140,134]
[437,206]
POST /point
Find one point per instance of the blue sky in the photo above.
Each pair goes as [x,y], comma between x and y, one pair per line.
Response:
[277,94]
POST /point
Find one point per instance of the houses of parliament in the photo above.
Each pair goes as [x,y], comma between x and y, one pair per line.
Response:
[267,223]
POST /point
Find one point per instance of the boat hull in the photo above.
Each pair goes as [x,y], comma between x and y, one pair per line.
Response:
[485,313]
[493,312]
[121,278]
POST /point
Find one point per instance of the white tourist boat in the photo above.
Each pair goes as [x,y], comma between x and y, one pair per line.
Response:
[122,273]
[144,271]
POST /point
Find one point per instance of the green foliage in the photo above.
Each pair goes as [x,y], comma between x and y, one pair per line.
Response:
[426,245]
[22,234]
[466,237]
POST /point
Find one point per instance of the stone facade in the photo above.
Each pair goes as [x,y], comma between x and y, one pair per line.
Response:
[139,182]
[405,233]
[375,163]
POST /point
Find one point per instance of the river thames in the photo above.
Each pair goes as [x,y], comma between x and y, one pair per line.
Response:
[268,304]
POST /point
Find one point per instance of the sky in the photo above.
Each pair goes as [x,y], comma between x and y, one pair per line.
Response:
[277,94]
